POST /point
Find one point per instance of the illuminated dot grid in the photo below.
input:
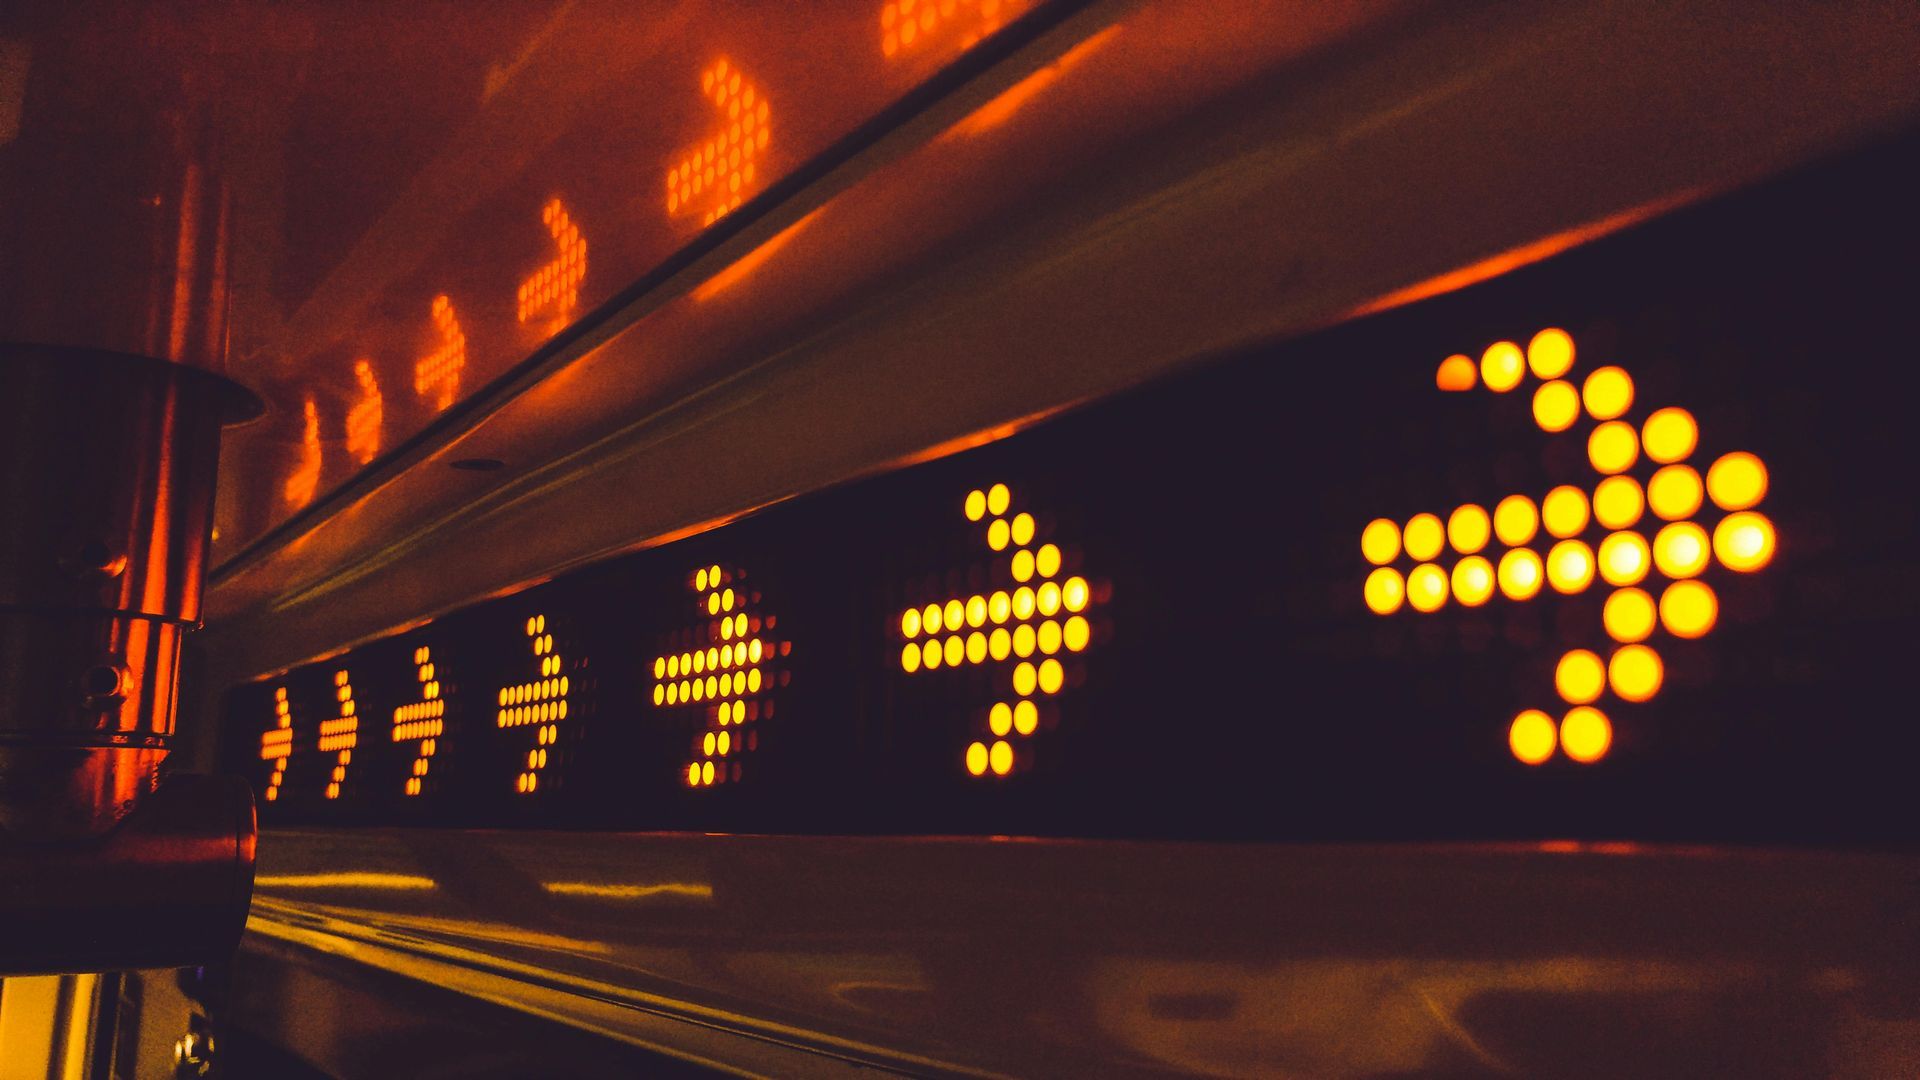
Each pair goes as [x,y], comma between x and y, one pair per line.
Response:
[276,743]
[305,478]
[424,720]
[1029,627]
[713,178]
[437,374]
[340,734]
[908,25]
[556,286]
[365,418]
[541,704]
[727,670]
[1648,547]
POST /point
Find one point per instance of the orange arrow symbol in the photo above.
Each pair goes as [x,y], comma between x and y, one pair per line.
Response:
[305,477]
[1616,512]
[367,415]
[728,670]
[276,743]
[713,177]
[438,372]
[555,287]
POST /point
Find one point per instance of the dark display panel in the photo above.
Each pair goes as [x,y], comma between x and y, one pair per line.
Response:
[1645,571]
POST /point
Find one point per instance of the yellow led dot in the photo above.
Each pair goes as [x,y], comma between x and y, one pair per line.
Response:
[909,623]
[1000,643]
[1737,481]
[1473,581]
[1532,737]
[1026,717]
[1688,609]
[976,505]
[1052,676]
[693,774]
[1022,529]
[997,534]
[1022,565]
[707,744]
[930,619]
[1564,511]
[1502,366]
[1608,393]
[1076,633]
[1675,492]
[1556,405]
[1586,734]
[1669,435]
[1046,599]
[1424,537]
[1618,502]
[1000,718]
[977,759]
[706,772]
[998,499]
[1550,353]
[1468,528]
[1744,541]
[1023,640]
[999,607]
[1635,673]
[1380,541]
[1628,615]
[976,648]
[1520,574]
[956,650]
[1456,373]
[930,654]
[1515,520]
[1613,447]
[1048,637]
[700,579]
[660,662]
[954,615]
[1023,603]
[1001,758]
[1427,587]
[1074,594]
[1385,590]
[1623,558]
[1046,561]
[660,691]
[976,611]
[713,603]
[1680,550]
[1580,677]
[1025,678]
[1570,566]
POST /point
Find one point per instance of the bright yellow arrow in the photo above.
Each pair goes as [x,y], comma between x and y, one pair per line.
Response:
[726,670]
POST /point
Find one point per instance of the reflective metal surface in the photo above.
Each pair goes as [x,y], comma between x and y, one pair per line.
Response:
[1012,957]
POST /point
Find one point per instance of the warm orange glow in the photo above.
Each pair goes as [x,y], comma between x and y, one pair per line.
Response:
[1556,405]
[1380,541]
[341,734]
[1515,520]
[1635,673]
[276,743]
[423,721]
[739,269]
[1550,353]
[1427,587]
[366,415]
[554,289]
[1680,550]
[717,175]
[543,702]
[1385,591]
[1564,511]
[305,478]
[1669,435]
[1607,393]
[913,25]
[1473,581]
[1618,502]
[1570,566]
[1424,537]
[1468,529]
[1007,103]
[1457,373]
[1502,366]
[1629,615]
[1586,734]
[1580,677]
[1532,737]
[1675,492]
[1521,574]
[1613,447]
[1737,481]
[1624,559]
[1744,541]
[1688,609]
[437,374]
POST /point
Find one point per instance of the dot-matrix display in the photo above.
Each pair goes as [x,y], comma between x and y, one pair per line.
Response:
[727,669]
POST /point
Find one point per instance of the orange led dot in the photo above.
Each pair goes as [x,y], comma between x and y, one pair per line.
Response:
[1456,373]
[1520,574]
[1550,353]
[1427,587]
[1580,677]
[1586,734]
[1623,558]
[1046,561]
[999,497]
[1564,511]
[1613,447]
[1680,550]
[1000,718]
[1424,537]
[1380,541]
[1556,405]
[1502,366]
[977,759]
[1607,393]
[1532,736]
[1001,758]
[1737,481]
[1473,581]
[976,505]
[1385,590]
[1669,435]
[1515,520]
[909,626]
[1618,502]
[1675,492]
[1570,566]
[1635,673]
[1688,609]
[1628,615]
[1744,541]
[1076,634]
[1468,529]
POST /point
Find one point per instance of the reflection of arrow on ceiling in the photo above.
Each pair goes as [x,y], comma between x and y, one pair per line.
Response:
[726,670]
[305,477]
[1680,551]
[714,176]
[910,25]
[1031,627]
[555,287]
[367,415]
[438,372]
